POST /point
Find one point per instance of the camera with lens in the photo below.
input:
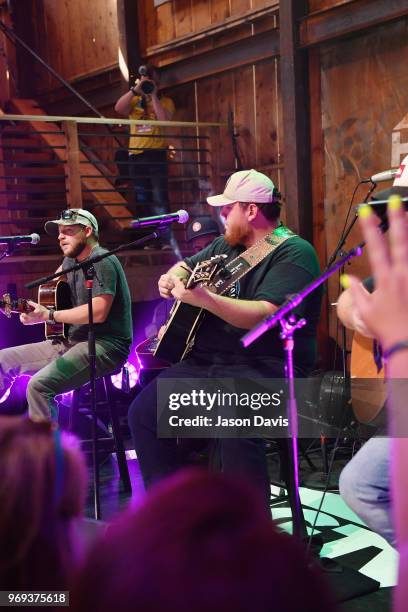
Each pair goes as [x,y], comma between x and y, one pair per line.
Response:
[147,86]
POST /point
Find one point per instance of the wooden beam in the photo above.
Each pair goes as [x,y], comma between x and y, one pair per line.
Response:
[318,190]
[217,29]
[295,97]
[222,59]
[73,175]
[129,36]
[22,16]
[8,61]
[343,20]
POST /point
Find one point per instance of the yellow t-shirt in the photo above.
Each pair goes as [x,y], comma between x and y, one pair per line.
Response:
[141,135]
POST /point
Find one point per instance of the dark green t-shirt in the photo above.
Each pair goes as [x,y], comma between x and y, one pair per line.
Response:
[287,270]
[109,279]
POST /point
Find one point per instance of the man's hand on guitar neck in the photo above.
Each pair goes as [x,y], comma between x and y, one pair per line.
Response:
[39,314]
[167,281]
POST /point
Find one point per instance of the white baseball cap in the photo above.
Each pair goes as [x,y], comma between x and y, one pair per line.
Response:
[245,186]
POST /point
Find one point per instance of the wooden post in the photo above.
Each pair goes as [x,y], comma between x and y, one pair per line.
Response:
[128,26]
[4,214]
[318,190]
[295,97]
[73,168]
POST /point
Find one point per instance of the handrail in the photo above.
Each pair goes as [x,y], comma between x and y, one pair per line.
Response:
[109,121]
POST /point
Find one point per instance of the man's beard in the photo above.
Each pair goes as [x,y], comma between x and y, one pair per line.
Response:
[236,235]
[77,250]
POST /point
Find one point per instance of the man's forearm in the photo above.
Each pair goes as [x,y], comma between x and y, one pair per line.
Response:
[79,314]
[123,105]
[240,313]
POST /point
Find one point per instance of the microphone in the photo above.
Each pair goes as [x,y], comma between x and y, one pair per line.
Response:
[388,175]
[30,239]
[181,216]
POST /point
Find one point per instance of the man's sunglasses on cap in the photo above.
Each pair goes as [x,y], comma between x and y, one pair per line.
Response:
[73,214]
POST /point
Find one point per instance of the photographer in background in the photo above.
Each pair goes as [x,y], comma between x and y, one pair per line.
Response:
[147,147]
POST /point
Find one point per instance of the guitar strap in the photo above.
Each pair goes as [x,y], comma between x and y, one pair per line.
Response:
[234,270]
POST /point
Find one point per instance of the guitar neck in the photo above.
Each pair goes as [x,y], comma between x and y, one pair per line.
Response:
[8,305]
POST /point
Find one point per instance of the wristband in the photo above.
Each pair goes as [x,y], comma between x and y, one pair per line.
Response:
[51,319]
[398,346]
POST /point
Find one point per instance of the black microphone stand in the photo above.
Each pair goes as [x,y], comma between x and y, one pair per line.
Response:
[88,267]
[289,326]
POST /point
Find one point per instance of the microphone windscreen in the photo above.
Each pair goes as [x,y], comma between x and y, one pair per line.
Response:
[183,216]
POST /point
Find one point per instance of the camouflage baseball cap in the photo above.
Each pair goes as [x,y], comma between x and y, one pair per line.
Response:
[72,216]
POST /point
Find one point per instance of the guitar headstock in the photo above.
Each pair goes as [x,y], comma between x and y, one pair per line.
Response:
[205,270]
[8,305]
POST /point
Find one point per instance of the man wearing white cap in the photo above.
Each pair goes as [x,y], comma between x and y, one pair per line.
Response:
[365,481]
[250,207]
[60,365]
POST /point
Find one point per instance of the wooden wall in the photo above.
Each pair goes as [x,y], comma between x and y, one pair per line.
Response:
[319,5]
[250,90]
[77,38]
[364,95]
[252,93]
[182,17]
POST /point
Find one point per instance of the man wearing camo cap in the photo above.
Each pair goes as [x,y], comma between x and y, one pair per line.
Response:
[61,364]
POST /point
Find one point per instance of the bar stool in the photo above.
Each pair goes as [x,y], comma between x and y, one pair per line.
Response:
[106,404]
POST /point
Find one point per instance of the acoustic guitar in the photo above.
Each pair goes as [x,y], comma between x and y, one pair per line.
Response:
[368,389]
[184,319]
[55,294]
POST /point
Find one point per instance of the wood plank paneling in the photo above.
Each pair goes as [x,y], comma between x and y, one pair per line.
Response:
[75,38]
[266,114]
[244,115]
[261,3]
[182,17]
[240,6]
[319,5]
[219,10]
[343,20]
[358,126]
[165,23]
[201,14]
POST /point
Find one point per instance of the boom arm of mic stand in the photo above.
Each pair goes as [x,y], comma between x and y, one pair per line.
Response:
[95,259]
[345,235]
[294,300]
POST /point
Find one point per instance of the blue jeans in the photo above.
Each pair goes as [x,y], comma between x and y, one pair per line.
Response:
[365,486]
[149,172]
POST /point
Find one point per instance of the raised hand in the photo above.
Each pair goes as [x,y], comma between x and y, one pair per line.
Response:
[385,311]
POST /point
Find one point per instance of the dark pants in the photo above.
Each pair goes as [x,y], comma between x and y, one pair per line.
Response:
[149,173]
[159,457]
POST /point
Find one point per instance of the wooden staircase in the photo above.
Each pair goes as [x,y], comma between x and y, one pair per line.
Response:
[34,183]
